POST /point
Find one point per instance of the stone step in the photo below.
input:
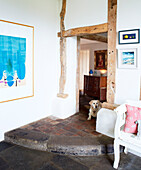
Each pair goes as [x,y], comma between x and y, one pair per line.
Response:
[68,145]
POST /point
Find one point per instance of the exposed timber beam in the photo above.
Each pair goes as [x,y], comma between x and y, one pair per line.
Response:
[95,38]
[62,80]
[84,30]
[112,19]
[109,105]
[62,16]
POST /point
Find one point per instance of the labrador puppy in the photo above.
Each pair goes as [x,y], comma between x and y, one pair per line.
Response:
[95,106]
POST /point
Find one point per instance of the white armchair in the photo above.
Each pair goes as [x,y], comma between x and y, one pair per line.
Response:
[130,141]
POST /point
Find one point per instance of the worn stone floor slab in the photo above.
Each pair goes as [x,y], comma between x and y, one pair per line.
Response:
[81,146]
[20,158]
[73,136]
[70,145]
[28,138]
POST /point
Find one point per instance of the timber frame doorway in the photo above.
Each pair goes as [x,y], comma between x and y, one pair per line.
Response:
[95,37]
[110,28]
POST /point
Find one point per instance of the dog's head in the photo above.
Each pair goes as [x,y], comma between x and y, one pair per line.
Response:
[94,103]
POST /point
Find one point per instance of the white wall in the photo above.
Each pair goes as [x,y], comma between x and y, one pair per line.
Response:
[44,16]
[82,13]
[128,80]
[65,107]
[78,13]
[93,12]
[93,47]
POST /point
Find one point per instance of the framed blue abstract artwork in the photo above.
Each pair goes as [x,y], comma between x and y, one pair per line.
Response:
[129,36]
[127,58]
[16,61]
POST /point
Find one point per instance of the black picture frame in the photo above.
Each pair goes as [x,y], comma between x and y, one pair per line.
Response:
[133,36]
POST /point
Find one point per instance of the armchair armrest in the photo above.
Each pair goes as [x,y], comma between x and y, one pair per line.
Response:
[121,116]
[121,109]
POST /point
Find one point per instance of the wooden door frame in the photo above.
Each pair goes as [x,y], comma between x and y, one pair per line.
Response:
[109,27]
[78,68]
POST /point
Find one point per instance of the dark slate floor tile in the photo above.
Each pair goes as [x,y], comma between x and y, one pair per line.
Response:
[19,158]
[3,165]
[95,161]
[67,163]
[4,145]
[129,162]
[105,162]
[49,166]
[2,162]
[99,166]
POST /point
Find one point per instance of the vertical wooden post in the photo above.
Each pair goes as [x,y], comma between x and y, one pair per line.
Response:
[62,80]
[78,74]
[112,18]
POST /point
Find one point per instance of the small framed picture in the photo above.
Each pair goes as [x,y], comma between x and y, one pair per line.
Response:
[127,58]
[129,36]
[100,59]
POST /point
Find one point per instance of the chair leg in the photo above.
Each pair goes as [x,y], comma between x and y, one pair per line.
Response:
[125,150]
[116,154]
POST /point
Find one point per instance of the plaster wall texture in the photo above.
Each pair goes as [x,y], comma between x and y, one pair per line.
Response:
[65,107]
[44,16]
[128,80]
[88,14]
[82,13]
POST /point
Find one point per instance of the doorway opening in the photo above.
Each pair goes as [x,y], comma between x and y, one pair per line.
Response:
[93,69]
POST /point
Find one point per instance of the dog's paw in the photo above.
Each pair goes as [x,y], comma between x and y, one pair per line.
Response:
[89,118]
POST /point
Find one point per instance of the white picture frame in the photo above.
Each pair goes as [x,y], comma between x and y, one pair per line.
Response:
[20,31]
[127,58]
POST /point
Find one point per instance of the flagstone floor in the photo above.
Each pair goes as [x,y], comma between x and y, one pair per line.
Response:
[76,125]
[13,157]
[72,138]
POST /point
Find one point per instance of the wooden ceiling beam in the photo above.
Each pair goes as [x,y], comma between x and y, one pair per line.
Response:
[84,30]
[96,38]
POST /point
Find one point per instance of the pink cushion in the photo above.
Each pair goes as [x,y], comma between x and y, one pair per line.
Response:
[139,114]
[133,114]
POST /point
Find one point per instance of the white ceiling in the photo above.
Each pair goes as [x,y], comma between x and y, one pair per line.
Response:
[86,41]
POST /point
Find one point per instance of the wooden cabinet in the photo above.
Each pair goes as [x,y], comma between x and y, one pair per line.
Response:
[95,87]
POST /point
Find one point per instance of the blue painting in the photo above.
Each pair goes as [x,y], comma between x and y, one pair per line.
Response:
[128,58]
[129,36]
[12,61]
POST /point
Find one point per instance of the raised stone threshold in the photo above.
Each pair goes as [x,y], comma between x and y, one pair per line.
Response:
[68,145]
